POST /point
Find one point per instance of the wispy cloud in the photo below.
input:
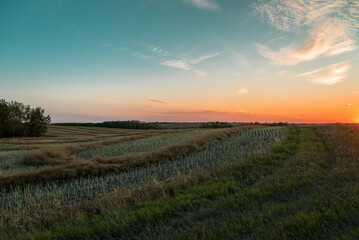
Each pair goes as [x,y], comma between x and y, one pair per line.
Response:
[204,57]
[135,53]
[158,50]
[328,75]
[200,73]
[187,64]
[239,59]
[204,4]
[330,28]
[157,100]
[181,64]
[241,90]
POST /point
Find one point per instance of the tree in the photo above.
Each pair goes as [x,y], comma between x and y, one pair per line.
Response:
[16,120]
[37,122]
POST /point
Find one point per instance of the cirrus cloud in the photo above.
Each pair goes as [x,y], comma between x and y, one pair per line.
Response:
[204,4]
[181,64]
[157,100]
[187,64]
[241,90]
[330,27]
[328,75]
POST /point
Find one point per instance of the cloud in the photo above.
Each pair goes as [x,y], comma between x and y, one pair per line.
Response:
[135,53]
[328,75]
[158,50]
[329,28]
[204,4]
[204,57]
[186,64]
[157,100]
[241,90]
[182,64]
[200,73]
[239,59]
[141,55]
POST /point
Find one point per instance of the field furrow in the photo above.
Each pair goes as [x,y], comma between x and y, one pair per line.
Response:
[18,203]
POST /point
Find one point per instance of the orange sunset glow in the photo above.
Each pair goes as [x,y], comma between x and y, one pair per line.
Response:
[193,60]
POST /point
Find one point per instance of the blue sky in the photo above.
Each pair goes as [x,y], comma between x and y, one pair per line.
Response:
[182,60]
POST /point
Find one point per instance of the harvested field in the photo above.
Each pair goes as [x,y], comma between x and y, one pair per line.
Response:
[231,176]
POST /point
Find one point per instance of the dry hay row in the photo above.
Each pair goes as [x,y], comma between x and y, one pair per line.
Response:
[21,145]
[77,168]
[89,130]
[63,154]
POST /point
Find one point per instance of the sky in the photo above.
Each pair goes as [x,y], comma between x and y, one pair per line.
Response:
[182,60]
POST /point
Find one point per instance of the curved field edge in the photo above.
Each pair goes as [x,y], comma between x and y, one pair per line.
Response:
[23,160]
[68,135]
[172,188]
[143,145]
[64,154]
[41,204]
[103,166]
[302,189]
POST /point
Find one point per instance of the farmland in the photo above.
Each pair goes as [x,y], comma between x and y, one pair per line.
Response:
[247,182]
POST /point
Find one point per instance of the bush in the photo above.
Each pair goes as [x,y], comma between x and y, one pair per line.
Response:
[17,119]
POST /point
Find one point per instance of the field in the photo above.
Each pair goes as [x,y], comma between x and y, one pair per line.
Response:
[247,182]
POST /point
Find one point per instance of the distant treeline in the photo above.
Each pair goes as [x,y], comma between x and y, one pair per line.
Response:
[132,124]
[217,125]
[234,124]
[276,124]
[135,124]
[271,124]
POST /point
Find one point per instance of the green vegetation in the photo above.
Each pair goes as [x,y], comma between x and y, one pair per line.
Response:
[254,184]
[18,120]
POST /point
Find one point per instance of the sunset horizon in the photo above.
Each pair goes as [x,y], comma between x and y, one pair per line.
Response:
[179,119]
[183,60]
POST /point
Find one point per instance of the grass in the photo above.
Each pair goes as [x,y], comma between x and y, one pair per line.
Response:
[21,203]
[302,189]
[253,185]
[154,211]
[142,145]
[13,159]
[77,168]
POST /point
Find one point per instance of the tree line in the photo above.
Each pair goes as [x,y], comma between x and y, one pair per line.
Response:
[19,120]
[216,125]
[131,124]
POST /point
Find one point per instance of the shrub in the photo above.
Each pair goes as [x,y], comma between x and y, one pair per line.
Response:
[17,119]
